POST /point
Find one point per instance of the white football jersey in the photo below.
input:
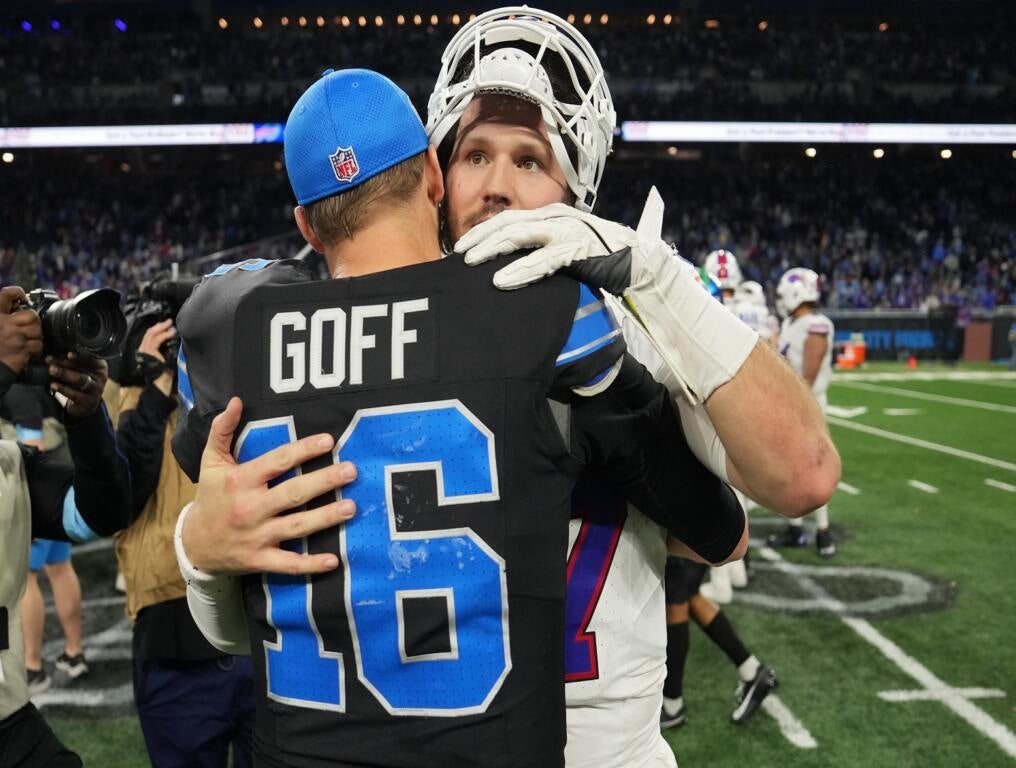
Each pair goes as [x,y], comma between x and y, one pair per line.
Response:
[756,317]
[616,626]
[794,333]
[616,640]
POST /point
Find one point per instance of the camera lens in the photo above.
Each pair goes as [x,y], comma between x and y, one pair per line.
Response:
[91,323]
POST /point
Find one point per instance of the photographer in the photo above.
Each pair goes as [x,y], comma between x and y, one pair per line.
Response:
[192,701]
[45,495]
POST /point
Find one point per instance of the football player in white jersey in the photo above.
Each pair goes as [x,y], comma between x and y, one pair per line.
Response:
[750,305]
[806,340]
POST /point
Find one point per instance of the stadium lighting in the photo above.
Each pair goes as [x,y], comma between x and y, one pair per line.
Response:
[125,167]
[285,21]
[277,165]
[320,20]
[1014,154]
[456,19]
[362,21]
[378,21]
[417,20]
[883,27]
[223,23]
[672,151]
[433,20]
[400,19]
[7,157]
[587,19]
[27,26]
[667,19]
[345,21]
[763,25]
[651,19]
[945,154]
[811,151]
[878,153]
[258,23]
[302,21]
[571,18]
[54,24]
[712,23]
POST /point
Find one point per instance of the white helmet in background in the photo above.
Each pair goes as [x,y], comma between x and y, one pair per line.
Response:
[751,292]
[509,51]
[797,286]
[722,266]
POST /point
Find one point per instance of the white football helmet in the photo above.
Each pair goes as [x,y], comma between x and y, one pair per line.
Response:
[797,286]
[481,59]
[751,292]
[724,269]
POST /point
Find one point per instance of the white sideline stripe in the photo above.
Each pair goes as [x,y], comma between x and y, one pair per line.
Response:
[922,486]
[971,713]
[901,411]
[92,546]
[984,377]
[1001,485]
[922,443]
[847,488]
[934,398]
[122,694]
[791,728]
[966,693]
[94,602]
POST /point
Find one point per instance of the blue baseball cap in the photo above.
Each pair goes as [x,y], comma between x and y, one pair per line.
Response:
[349,126]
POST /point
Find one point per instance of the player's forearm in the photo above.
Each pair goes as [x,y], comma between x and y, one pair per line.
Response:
[778,448]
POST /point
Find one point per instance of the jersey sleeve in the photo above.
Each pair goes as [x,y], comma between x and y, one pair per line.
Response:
[820,326]
[590,357]
[632,436]
[205,364]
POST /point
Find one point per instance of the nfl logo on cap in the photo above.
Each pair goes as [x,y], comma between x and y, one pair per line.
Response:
[344,164]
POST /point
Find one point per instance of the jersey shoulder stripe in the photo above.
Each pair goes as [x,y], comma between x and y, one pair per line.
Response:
[592,329]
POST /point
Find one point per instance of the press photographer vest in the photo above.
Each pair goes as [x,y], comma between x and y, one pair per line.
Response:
[15,540]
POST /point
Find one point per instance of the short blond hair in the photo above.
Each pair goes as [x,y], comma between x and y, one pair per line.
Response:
[340,217]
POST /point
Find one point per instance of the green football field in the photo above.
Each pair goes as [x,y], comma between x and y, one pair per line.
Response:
[899,652]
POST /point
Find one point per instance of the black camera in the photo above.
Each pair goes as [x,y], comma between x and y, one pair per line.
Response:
[147,305]
[90,324]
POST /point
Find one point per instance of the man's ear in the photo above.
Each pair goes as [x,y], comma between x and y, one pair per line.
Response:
[303,223]
[433,175]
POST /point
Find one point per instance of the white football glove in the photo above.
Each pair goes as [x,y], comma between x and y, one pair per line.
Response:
[703,344]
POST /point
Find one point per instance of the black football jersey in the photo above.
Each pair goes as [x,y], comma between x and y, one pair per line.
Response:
[439,639]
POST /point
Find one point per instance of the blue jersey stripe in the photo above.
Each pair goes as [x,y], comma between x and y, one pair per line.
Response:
[183,385]
[250,265]
[593,328]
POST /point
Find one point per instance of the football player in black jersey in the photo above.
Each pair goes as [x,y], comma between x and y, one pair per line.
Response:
[468,413]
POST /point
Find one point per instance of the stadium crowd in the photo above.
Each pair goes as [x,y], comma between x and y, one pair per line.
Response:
[895,233]
[180,69]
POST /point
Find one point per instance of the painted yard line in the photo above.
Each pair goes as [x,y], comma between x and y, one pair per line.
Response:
[966,693]
[793,729]
[92,546]
[971,713]
[95,602]
[1006,384]
[123,694]
[1000,484]
[901,411]
[922,443]
[922,486]
[848,488]
[979,376]
[934,398]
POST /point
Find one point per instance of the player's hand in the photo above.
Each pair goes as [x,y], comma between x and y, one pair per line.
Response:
[20,329]
[155,337]
[79,378]
[598,252]
[236,523]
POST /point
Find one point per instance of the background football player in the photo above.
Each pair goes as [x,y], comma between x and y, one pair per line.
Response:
[806,340]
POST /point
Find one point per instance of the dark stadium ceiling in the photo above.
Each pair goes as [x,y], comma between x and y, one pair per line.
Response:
[686,7]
